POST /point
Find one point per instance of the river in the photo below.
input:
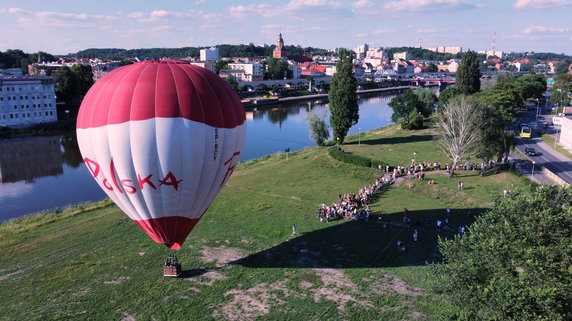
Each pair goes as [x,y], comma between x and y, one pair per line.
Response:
[39,173]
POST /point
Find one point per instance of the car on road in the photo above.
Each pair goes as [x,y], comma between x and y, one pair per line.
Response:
[530,151]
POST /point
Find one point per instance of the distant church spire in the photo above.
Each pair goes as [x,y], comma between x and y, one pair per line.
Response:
[279,51]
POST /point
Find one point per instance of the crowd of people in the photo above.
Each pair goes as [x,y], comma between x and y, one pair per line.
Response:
[352,206]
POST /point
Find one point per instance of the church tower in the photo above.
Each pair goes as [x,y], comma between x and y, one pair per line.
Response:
[279,51]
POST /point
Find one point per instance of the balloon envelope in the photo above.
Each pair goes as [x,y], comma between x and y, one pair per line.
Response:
[161,138]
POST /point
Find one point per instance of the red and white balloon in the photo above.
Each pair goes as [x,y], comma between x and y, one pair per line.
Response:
[161,138]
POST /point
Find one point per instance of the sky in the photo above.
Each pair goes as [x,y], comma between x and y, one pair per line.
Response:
[66,26]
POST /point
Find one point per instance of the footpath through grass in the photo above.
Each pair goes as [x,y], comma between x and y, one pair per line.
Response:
[241,261]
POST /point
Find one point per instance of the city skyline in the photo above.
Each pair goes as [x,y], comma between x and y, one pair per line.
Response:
[67,26]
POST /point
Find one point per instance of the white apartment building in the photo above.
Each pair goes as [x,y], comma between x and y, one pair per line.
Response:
[490,53]
[374,53]
[361,49]
[210,54]
[27,101]
[401,55]
[251,71]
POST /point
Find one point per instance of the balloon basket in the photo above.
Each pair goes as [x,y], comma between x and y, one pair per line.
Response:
[172,267]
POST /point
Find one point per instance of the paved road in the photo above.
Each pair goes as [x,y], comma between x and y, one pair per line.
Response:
[548,157]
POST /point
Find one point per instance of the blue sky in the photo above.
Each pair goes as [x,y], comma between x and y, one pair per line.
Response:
[64,26]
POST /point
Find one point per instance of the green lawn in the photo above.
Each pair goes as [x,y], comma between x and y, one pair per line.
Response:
[549,139]
[241,261]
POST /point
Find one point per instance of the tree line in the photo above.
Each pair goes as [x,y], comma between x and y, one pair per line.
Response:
[225,50]
[17,59]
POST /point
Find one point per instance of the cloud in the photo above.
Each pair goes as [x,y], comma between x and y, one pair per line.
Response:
[360,35]
[295,9]
[163,15]
[380,31]
[200,2]
[523,4]
[64,19]
[12,10]
[241,12]
[543,29]
[362,4]
[428,5]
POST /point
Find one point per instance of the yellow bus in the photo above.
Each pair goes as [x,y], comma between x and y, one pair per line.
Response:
[525,131]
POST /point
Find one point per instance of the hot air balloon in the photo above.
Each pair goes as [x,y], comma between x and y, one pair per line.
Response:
[161,138]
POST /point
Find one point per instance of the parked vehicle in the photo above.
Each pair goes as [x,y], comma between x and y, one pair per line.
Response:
[530,151]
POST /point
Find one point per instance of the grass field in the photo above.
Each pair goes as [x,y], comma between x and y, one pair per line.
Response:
[241,262]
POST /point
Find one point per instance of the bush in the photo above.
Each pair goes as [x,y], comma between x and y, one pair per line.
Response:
[349,158]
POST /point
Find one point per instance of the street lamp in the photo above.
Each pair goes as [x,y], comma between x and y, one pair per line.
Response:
[414,158]
[556,139]
[532,173]
[338,142]
[359,136]
[537,109]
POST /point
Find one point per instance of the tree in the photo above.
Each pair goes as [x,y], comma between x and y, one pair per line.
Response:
[403,107]
[562,66]
[427,99]
[503,77]
[84,77]
[232,82]
[530,87]
[515,262]
[222,64]
[459,123]
[446,95]
[276,68]
[562,89]
[468,75]
[505,102]
[343,104]
[432,68]
[67,85]
[318,128]
[415,121]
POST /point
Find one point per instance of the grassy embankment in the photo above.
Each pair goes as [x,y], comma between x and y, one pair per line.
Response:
[241,261]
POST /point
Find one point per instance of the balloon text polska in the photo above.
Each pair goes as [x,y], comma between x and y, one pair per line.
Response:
[127,185]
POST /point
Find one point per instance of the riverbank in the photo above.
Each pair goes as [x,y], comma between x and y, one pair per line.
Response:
[242,261]
[274,102]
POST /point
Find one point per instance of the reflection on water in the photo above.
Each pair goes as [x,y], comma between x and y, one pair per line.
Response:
[38,173]
[25,159]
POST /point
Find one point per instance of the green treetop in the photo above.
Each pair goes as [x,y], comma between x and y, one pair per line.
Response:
[344,108]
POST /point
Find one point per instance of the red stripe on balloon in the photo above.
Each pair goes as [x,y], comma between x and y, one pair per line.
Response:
[170,230]
[166,89]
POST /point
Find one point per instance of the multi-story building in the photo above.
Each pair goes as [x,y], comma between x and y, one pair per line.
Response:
[252,71]
[361,49]
[209,54]
[491,53]
[27,101]
[401,55]
[449,50]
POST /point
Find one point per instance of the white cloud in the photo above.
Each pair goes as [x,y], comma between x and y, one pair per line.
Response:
[241,12]
[136,15]
[64,19]
[12,10]
[295,9]
[162,15]
[427,5]
[380,31]
[200,2]
[522,4]
[360,35]
[543,29]
[362,4]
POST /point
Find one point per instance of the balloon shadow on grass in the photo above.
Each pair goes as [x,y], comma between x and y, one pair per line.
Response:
[361,244]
